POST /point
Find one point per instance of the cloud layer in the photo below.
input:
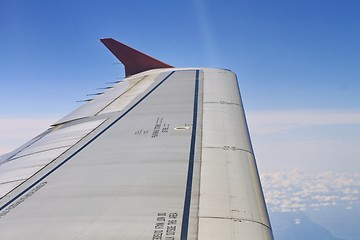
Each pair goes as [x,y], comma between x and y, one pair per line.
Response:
[298,191]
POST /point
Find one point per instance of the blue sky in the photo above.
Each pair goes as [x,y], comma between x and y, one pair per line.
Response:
[287,54]
[297,63]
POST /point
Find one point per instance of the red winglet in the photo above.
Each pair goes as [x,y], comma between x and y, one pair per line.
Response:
[134,61]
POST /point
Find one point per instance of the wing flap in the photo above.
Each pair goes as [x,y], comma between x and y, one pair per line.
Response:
[29,160]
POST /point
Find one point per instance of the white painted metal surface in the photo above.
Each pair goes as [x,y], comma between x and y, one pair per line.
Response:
[231,200]
[29,160]
[164,155]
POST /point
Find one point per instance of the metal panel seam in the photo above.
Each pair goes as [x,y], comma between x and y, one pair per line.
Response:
[201,147]
[31,142]
[39,180]
[231,148]
[46,150]
[222,102]
[238,219]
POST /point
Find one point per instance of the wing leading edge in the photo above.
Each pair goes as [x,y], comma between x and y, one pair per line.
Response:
[164,154]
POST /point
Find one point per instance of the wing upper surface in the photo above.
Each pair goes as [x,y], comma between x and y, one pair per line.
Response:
[165,154]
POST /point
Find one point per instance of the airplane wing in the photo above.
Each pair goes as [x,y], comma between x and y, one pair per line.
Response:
[164,154]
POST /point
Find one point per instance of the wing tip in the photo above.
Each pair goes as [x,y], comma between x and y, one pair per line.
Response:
[133,60]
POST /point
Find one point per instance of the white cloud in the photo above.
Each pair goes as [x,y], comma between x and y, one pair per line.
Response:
[297,220]
[310,191]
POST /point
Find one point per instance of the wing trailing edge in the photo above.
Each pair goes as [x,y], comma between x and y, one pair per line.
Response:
[133,60]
